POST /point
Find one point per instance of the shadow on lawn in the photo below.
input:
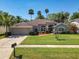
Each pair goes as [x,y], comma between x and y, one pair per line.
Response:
[16,57]
[61,39]
[19,57]
[58,38]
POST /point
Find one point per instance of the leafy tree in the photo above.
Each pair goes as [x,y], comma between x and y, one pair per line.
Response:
[59,17]
[18,19]
[52,16]
[25,20]
[31,12]
[75,15]
[39,15]
[1,12]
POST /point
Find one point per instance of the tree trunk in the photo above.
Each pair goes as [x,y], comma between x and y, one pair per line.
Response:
[6,29]
[31,17]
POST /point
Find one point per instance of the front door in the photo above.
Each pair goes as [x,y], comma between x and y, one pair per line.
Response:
[50,28]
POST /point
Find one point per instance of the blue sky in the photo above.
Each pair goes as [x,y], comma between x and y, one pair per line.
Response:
[21,7]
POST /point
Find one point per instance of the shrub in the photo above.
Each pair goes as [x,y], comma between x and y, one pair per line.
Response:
[8,34]
[65,32]
[1,34]
[33,33]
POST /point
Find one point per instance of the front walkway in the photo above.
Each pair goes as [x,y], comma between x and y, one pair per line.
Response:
[5,45]
[48,46]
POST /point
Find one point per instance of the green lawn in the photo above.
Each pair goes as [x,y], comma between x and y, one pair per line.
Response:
[47,53]
[51,39]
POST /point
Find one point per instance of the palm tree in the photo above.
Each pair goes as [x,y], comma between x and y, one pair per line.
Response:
[0,18]
[46,11]
[39,15]
[31,12]
[7,20]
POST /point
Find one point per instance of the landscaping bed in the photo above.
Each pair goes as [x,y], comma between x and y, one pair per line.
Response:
[57,39]
[47,53]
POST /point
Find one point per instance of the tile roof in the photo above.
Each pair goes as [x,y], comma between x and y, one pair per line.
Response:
[35,22]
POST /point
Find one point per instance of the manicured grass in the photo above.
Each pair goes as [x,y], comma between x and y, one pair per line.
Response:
[51,39]
[47,53]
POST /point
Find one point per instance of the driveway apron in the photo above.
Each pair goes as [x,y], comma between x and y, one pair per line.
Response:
[5,45]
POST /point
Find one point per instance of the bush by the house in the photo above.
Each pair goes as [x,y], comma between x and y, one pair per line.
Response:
[66,32]
[1,34]
[33,33]
[8,34]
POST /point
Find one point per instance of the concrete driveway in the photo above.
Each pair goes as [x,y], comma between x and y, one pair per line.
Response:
[5,45]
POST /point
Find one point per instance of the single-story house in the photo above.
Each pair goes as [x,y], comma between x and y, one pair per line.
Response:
[39,25]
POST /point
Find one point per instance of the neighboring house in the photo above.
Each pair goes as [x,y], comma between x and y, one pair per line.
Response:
[39,25]
[76,22]
[60,28]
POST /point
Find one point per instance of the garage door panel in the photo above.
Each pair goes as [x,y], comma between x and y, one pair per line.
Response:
[20,30]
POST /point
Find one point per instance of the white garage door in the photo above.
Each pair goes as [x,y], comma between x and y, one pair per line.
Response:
[20,31]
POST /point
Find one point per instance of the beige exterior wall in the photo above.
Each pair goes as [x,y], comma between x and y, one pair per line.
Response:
[20,31]
[2,29]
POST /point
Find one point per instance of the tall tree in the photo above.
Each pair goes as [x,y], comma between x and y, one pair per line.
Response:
[18,19]
[7,20]
[75,15]
[59,17]
[39,15]
[1,18]
[46,11]
[31,12]
[25,20]
[52,16]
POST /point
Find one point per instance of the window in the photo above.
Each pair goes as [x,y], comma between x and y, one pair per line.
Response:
[61,29]
[50,29]
[43,28]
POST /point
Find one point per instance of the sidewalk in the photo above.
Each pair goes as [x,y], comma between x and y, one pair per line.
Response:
[48,46]
[5,45]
